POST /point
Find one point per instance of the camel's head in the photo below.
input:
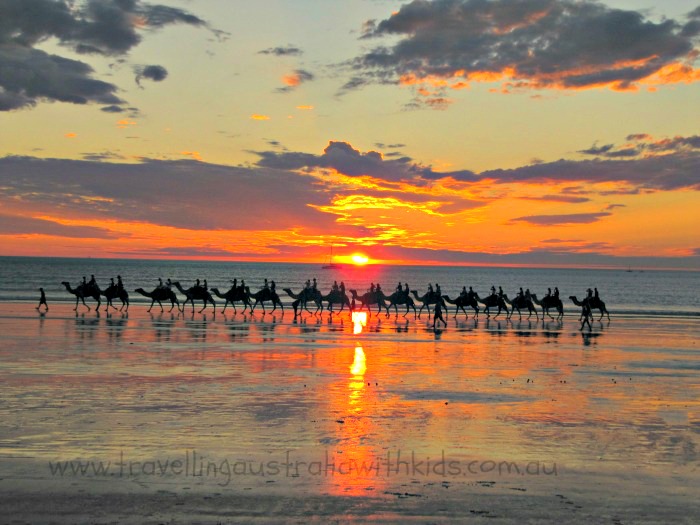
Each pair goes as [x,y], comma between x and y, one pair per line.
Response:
[65,283]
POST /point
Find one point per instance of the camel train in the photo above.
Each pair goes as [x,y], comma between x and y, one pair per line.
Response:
[309,297]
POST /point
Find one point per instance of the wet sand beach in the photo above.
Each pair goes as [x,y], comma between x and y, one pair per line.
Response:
[159,417]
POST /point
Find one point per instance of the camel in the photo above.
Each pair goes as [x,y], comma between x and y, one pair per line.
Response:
[158,295]
[461,302]
[491,301]
[83,291]
[113,292]
[303,298]
[368,299]
[263,296]
[195,292]
[521,302]
[336,297]
[594,303]
[399,297]
[547,302]
[428,299]
[235,294]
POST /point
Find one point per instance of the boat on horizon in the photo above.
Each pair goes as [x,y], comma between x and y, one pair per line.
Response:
[331,265]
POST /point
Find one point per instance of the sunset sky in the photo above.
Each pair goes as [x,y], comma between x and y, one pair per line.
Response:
[509,132]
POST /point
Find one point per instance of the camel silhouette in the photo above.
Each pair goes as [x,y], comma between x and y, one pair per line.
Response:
[307,295]
[235,294]
[593,304]
[397,298]
[366,300]
[428,299]
[336,297]
[461,302]
[113,292]
[521,302]
[491,301]
[547,302]
[158,295]
[263,296]
[84,291]
[195,293]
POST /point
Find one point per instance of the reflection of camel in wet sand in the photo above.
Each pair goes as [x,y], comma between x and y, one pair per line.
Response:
[366,300]
[400,298]
[461,302]
[158,295]
[83,291]
[113,292]
[303,298]
[195,293]
[521,302]
[428,299]
[492,301]
[547,302]
[263,296]
[594,304]
[235,294]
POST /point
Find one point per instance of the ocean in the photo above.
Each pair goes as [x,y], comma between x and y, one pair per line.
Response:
[625,292]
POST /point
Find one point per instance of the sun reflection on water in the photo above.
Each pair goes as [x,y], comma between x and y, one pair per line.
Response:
[359,321]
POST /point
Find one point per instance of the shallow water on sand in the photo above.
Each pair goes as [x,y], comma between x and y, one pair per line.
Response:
[264,403]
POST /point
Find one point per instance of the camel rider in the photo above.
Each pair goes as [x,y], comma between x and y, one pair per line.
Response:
[500,292]
[471,292]
[549,292]
[205,286]
[371,288]
[111,282]
[168,284]
[342,287]
[493,290]
[160,283]
[595,294]
[242,284]
[196,284]
[438,292]
[234,283]
[406,289]
[399,288]
[120,284]
[521,293]
[556,292]
[589,293]
[335,286]
[463,293]
[430,289]
[314,285]
[273,287]
[379,288]
[527,294]
[266,286]
[307,285]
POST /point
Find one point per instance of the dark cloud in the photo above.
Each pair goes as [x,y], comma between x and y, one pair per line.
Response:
[104,27]
[643,143]
[282,51]
[155,73]
[671,171]
[161,192]
[526,44]
[597,150]
[564,219]
[18,225]
[572,199]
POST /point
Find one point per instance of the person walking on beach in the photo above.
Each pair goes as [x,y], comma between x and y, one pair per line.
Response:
[437,315]
[587,315]
[42,300]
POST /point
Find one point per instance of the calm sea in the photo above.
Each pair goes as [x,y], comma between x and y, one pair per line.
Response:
[625,292]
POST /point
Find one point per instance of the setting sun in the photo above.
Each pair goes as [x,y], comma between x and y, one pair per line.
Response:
[359,259]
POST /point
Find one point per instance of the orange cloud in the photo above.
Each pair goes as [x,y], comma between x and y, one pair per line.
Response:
[70,135]
[256,116]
